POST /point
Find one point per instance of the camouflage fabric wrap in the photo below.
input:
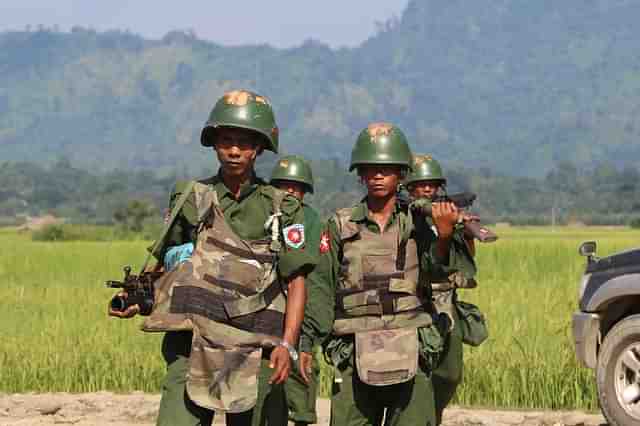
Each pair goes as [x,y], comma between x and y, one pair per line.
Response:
[294,168]
[387,357]
[223,379]
[381,143]
[228,294]
[379,298]
[245,110]
[424,167]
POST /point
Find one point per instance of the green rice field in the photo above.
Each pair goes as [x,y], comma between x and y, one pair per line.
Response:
[56,336]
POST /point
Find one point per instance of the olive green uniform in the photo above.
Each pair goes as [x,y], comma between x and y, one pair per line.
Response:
[448,373]
[357,403]
[246,216]
[301,397]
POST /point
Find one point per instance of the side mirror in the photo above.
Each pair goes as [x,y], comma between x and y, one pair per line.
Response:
[588,249]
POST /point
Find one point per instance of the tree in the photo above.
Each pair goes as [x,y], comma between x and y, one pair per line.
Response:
[133,215]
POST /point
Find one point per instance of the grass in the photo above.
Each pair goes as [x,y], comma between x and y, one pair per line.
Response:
[56,335]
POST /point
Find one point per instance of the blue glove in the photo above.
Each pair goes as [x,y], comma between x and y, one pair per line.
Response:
[176,255]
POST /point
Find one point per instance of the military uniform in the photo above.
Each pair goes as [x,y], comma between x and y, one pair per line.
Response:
[223,309]
[246,216]
[448,373]
[301,396]
[383,342]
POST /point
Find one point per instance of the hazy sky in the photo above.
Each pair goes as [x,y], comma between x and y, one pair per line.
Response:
[282,23]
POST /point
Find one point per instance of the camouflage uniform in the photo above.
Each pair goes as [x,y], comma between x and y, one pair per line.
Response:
[246,216]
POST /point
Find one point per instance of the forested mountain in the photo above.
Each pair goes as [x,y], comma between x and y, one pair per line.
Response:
[513,86]
[605,195]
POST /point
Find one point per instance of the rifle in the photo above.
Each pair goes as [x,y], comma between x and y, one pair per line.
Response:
[462,200]
[139,289]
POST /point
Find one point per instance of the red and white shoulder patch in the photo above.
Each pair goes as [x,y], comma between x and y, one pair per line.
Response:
[294,235]
[325,246]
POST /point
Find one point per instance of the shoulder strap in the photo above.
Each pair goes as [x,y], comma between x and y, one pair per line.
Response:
[206,199]
[346,228]
[405,227]
[172,218]
[273,223]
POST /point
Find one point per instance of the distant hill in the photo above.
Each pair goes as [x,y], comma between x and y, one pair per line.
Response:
[513,86]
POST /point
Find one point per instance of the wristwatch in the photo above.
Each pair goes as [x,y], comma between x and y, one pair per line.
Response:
[292,351]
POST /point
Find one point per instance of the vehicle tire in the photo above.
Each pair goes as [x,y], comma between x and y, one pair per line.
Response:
[618,370]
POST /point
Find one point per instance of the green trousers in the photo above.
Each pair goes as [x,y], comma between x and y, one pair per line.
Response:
[448,374]
[355,403]
[176,409]
[301,398]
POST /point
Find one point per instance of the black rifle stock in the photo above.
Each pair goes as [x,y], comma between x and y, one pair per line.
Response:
[139,289]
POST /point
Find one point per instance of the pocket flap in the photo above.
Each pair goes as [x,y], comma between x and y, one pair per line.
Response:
[387,357]
[402,286]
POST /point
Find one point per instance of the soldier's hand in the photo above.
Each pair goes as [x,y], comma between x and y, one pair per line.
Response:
[445,216]
[130,312]
[306,365]
[281,363]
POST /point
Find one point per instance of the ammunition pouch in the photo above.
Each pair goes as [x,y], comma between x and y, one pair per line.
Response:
[387,357]
[473,324]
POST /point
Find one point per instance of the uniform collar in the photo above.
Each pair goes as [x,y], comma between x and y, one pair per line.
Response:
[246,189]
[360,212]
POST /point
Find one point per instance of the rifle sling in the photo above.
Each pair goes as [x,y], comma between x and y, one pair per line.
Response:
[174,214]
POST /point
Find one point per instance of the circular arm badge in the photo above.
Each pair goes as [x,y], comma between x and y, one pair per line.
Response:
[294,235]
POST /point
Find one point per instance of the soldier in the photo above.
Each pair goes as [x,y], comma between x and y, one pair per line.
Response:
[384,339]
[425,181]
[230,330]
[294,175]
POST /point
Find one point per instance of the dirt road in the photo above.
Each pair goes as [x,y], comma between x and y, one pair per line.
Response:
[108,409]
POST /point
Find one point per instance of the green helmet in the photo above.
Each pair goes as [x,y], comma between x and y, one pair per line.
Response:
[424,167]
[294,168]
[246,110]
[381,143]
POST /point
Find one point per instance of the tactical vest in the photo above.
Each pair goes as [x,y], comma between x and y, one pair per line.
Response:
[229,296]
[378,280]
[379,298]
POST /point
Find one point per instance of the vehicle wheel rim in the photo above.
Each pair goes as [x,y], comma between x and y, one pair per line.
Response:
[627,380]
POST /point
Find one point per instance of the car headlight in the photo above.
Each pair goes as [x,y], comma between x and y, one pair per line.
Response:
[583,285]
